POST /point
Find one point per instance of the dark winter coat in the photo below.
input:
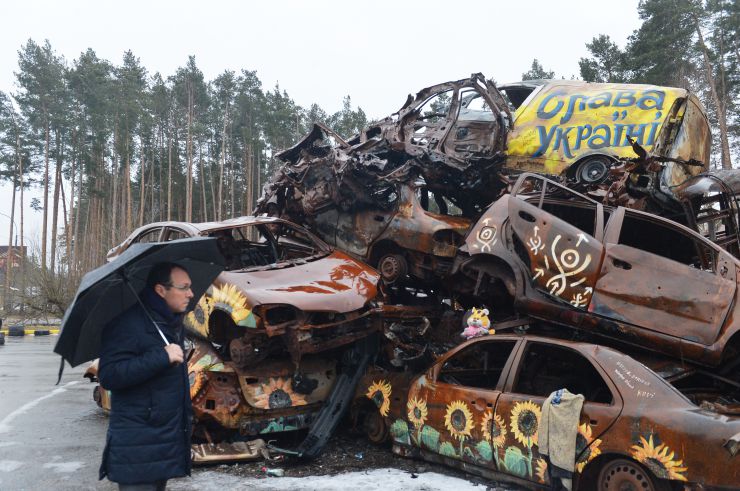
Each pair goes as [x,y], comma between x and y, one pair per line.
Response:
[149,429]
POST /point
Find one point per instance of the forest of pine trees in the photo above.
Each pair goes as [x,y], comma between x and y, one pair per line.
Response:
[112,146]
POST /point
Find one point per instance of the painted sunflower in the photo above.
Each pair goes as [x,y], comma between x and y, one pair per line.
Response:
[494,429]
[659,459]
[586,447]
[197,320]
[380,393]
[525,420]
[459,420]
[541,471]
[230,299]
[197,381]
[417,411]
[278,393]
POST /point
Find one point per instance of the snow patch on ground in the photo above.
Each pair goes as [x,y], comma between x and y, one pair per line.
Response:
[10,465]
[374,480]
[7,444]
[5,422]
[64,466]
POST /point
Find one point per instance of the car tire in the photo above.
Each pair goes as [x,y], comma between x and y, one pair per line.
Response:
[593,170]
[2,339]
[41,332]
[375,426]
[16,331]
[624,474]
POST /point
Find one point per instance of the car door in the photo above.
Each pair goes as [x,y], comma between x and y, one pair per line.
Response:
[540,368]
[663,277]
[450,409]
[564,260]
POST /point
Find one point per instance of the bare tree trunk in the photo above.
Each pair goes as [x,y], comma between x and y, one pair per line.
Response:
[46,199]
[223,164]
[211,180]
[23,249]
[718,102]
[169,178]
[247,205]
[76,247]
[189,182]
[151,180]
[127,179]
[232,184]
[55,212]
[114,172]
[142,185]
[10,258]
[72,210]
[66,225]
[204,205]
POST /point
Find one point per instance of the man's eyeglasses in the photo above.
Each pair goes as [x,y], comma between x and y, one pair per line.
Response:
[182,288]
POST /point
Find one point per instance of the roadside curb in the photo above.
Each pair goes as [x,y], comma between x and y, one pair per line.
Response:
[35,331]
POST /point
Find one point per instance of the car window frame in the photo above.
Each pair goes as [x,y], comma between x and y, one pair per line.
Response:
[137,239]
[433,372]
[516,366]
[613,230]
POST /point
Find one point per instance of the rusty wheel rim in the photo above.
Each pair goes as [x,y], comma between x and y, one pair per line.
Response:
[623,475]
[375,427]
[391,268]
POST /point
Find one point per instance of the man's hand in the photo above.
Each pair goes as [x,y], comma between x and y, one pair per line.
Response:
[175,353]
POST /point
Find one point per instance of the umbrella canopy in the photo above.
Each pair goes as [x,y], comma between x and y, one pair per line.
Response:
[109,290]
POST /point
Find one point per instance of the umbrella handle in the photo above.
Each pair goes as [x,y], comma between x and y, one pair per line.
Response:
[146,311]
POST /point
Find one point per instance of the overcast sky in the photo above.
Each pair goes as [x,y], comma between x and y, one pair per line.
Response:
[318,51]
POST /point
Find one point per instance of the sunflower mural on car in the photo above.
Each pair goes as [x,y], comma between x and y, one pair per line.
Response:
[459,422]
[524,424]
[587,448]
[416,410]
[380,393]
[227,298]
[659,458]
[494,432]
[278,393]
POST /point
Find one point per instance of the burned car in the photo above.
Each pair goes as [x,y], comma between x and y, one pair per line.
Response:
[581,129]
[479,408]
[265,339]
[618,273]
[459,146]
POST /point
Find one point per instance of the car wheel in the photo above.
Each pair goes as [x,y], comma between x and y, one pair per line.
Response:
[392,267]
[626,475]
[375,427]
[593,170]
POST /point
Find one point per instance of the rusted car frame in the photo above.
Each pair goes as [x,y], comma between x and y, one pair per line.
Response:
[622,274]
[478,408]
[265,338]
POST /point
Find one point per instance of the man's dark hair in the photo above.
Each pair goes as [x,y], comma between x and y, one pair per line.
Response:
[161,274]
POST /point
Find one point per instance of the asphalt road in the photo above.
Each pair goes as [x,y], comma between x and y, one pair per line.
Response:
[51,437]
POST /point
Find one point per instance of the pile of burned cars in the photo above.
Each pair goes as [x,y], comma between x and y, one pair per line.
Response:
[575,227]
[584,219]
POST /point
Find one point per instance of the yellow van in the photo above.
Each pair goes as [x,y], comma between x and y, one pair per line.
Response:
[580,128]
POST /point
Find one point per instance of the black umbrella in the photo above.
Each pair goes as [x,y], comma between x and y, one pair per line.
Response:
[109,290]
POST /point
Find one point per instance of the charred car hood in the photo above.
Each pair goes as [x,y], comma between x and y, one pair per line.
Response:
[334,283]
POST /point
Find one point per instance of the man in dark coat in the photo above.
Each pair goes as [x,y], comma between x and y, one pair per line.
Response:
[148,438]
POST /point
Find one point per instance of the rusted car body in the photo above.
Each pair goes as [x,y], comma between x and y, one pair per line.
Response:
[622,274]
[710,205]
[265,338]
[478,408]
